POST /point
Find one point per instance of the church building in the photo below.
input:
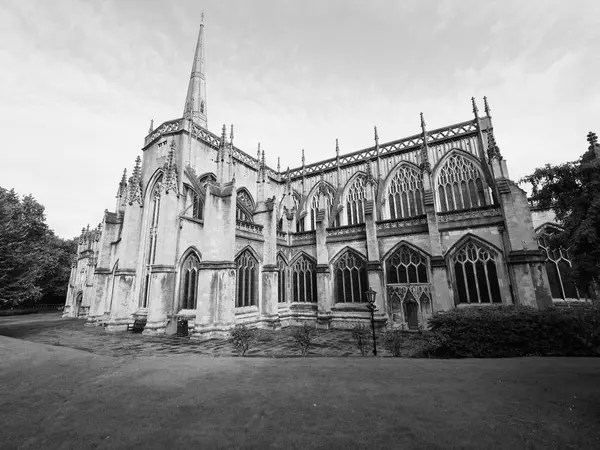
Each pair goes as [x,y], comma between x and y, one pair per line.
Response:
[205,236]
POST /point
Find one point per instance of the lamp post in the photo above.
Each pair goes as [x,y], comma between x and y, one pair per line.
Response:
[371,294]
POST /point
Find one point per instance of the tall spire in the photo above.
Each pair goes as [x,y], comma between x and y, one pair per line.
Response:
[195,100]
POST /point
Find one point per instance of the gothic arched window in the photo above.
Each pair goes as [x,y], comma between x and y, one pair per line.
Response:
[355,202]
[247,279]
[282,268]
[350,275]
[328,196]
[460,185]
[304,280]
[189,282]
[405,193]
[406,266]
[244,206]
[152,236]
[476,274]
[558,266]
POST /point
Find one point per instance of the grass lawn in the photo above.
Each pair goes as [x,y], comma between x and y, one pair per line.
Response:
[57,397]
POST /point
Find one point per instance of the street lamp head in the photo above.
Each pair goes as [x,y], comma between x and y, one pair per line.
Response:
[371,294]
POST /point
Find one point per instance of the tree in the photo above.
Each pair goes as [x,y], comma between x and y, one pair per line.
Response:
[33,261]
[572,190]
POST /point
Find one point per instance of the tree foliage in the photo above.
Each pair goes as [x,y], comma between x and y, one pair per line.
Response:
[572,190]
[34,262]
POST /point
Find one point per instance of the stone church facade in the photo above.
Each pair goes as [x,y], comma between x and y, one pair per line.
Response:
[206,235]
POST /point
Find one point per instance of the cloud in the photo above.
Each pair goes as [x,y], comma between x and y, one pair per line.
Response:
[85,79]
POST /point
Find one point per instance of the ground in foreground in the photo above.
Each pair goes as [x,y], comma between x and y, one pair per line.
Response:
[58,397]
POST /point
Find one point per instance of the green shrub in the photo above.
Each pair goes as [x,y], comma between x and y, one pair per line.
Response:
[505,331]
[302,337]
[242,338]
[362,336]
[393,340]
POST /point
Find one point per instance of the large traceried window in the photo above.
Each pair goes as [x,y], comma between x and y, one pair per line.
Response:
[355,202]
[328,196]
[350,275]
[476,275]
[282,268]
[152,238]
[189,282]
[460,185]
[558,266]
[304,280]
[405,193]
[247,280]
[406,266]
[244,206]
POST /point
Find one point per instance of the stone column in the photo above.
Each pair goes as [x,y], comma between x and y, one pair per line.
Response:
[442,291]
[324,284]
[161,292]
[524,259]
[269,308]
[124,300]
[101,287]
[374,270]
[217,277]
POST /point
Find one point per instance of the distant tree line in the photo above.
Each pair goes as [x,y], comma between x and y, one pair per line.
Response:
[35,264]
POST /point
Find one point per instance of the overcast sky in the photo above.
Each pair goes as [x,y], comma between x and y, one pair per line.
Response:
[80,81]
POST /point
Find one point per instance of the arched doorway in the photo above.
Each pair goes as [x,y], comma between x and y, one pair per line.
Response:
[411,311]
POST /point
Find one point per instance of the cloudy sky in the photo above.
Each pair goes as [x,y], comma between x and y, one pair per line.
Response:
[80,81]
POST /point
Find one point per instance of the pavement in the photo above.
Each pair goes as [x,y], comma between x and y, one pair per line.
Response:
[52,329]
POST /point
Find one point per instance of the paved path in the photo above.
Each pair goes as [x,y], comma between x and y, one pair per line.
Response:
[52,329]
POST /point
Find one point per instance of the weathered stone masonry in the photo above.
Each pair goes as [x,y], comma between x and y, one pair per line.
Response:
[207,236]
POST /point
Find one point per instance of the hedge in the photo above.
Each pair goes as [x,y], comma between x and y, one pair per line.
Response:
[507,331]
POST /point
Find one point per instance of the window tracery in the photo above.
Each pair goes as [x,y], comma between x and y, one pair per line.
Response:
[304,280]
[350,275]
[282,268]
[189,282]
[244,206]
[460,185]
[406,266]
[355,201]
[405,193]
[325,192]
[558,266]
[152,238]
[476,275]
[247,279]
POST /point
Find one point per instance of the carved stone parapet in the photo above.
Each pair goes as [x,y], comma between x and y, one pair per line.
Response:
[401,223]
[248,226]
[350,229]
[473,213]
